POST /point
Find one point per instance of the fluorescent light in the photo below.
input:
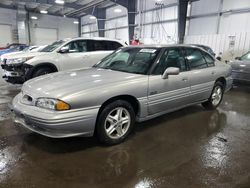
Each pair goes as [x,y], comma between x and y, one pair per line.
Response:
[61,2]
[117,10]
[33,17]
[44,12]
[92,17]
[76,22]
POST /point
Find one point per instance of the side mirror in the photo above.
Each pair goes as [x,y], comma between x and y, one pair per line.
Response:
[170,71]
[237,58]
[64,49]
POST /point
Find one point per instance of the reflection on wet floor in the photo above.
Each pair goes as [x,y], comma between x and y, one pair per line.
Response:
[188,148]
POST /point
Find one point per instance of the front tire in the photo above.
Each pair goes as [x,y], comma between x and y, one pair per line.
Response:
[41,71]
[115,122]
[215,98]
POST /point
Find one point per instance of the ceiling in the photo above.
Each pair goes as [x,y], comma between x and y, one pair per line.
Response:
[70,8]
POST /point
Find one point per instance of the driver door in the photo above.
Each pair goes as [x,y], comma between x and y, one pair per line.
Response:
[76,57]
[173,92]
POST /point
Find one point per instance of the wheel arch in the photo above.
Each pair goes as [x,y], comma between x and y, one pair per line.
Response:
[129,98]
[36,67]
[223,81]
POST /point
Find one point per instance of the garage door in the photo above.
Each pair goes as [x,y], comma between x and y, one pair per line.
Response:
[43,36]
[5,35]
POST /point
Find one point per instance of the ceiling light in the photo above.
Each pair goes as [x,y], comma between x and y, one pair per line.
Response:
[33,17]
[76,22]
[92,17]
[117,10]
[44,12]
[61,2]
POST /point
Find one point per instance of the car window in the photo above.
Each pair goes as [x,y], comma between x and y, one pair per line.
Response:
[195,59]
[246,57]
[111,45]
[99,45]
[131,60]
[209,60]
[77,46]
[170,58]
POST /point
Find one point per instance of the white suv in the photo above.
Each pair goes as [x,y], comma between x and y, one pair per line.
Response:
[61,55]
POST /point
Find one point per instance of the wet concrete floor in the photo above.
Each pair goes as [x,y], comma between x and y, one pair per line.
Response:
[188,148]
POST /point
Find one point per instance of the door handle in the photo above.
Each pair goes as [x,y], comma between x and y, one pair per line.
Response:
[213,72]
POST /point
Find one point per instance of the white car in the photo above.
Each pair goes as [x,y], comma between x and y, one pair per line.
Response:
[62,55]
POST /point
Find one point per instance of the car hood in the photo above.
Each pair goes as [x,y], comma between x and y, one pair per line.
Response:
[59,85]
[22,55]
[5,51]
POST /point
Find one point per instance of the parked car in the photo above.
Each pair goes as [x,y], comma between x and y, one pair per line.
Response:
[61,55]
[13,45]
[13,48]
[206,48]
[241,68]
[132,84]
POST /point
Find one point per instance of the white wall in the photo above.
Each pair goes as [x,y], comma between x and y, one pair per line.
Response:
[157,33]
[64,26]
[206,30]
[121,34]
[89,27]
[7,18]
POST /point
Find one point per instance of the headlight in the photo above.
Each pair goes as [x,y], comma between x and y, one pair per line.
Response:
[52,104]
[18,60]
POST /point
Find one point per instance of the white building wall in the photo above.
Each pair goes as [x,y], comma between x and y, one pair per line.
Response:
[7,23]
[156,24]
[89,27]
[64,26]
[229,33]
[112,23]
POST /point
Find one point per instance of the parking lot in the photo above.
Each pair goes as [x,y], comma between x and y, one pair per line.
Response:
[188,148]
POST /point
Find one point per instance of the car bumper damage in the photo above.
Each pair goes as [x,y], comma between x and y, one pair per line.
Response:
[16,73]
[54,124]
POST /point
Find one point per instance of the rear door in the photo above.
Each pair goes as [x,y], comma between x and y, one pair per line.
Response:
[173,92]
[202,73]
[100,49]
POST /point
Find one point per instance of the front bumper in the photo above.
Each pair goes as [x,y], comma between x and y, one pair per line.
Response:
[55,124]
[16,74]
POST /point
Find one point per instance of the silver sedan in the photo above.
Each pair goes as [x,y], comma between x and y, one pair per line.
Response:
[131,85]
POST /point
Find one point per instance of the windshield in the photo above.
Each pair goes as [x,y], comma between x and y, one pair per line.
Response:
[131,60]
[245,57]
[53,46]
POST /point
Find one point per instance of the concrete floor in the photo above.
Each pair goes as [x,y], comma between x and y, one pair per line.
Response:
[188,148]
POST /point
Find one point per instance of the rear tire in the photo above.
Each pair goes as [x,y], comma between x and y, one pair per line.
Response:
[41,71]
[115,122]
[215,98]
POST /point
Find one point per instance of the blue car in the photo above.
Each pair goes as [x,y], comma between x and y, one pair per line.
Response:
[13,48]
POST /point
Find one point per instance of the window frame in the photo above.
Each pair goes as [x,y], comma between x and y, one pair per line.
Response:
[161,54]
[201,51]
[87,41]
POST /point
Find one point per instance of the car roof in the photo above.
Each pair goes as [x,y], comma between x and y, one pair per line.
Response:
[96,38]
[163,46]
